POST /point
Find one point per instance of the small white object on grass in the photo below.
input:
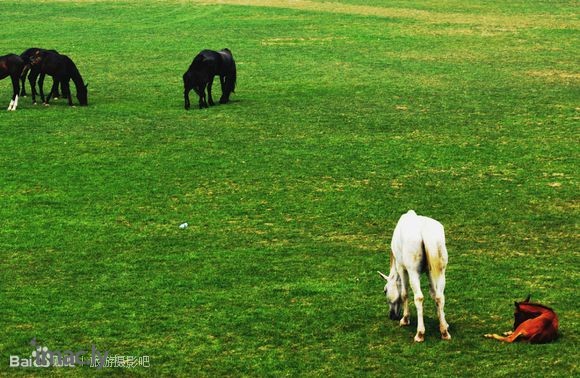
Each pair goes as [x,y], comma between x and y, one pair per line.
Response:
[183,226]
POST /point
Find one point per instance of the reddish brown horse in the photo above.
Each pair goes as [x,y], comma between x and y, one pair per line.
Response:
[533,322]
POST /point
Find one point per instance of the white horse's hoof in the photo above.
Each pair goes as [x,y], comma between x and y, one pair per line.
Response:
[419,337]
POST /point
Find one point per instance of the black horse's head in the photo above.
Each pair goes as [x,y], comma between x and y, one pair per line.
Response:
[36,57]
[82,95]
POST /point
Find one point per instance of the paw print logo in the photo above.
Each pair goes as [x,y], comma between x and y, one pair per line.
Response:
[39,355]
[40,352]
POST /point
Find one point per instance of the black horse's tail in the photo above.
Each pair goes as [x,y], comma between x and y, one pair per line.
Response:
[230,68]
[231,80]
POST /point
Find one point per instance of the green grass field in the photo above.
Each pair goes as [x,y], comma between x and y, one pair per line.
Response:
[345,116]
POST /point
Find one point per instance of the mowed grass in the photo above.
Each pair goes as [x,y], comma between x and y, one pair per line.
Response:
[345,116]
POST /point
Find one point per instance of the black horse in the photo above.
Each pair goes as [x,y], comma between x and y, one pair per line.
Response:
[200,74]
[63,70]
[12,65]
[28,56]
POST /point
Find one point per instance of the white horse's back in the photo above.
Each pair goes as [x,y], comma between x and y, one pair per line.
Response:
[407,242]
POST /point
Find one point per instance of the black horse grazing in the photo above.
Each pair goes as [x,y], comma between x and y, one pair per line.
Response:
[28,56]
[62,69]
[12,65]
[200,74]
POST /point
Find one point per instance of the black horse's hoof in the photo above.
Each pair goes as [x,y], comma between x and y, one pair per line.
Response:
[223,101]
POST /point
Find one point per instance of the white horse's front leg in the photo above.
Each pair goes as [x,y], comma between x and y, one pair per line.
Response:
[415,282]
[405,320]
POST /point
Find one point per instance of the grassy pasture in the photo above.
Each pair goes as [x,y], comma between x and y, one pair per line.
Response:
[346,115]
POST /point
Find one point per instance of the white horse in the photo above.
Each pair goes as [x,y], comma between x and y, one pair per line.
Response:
[418,244]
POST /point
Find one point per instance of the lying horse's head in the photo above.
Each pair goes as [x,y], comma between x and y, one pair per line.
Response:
[393,293]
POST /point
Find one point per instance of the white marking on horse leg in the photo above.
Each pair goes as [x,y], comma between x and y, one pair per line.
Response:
[11,105]
[15,103]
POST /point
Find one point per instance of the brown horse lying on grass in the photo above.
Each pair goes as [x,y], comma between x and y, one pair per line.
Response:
[533,322]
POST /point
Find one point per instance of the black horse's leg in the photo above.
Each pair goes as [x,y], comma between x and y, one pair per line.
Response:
[32,80]
[54,89]
[202,103]
[225,95]
[15,91]
[186,98]
[227,87]
[200,90]
[65,86]
[23,80]
[41,89]
[222,84]
[40,86]
[209,85]
[63,91]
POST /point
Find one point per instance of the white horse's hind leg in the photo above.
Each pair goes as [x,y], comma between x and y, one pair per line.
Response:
[416,286]
[439,288]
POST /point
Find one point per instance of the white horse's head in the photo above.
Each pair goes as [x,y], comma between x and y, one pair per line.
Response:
[392,291]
